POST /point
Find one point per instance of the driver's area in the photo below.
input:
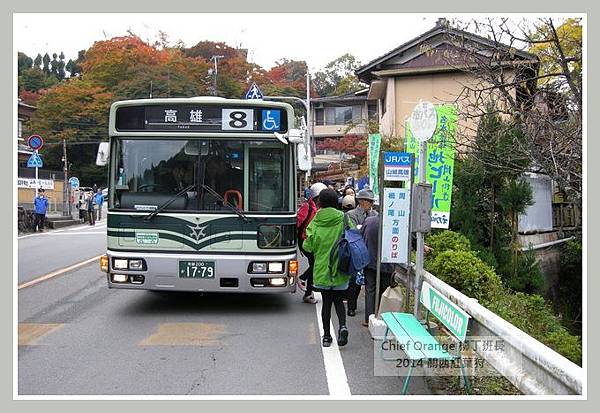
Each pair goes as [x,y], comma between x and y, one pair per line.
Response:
[151,173]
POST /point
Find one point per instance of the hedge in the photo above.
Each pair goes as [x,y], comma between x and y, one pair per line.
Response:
[453,262]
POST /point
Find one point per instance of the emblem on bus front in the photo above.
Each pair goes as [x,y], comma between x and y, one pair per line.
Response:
[197,231]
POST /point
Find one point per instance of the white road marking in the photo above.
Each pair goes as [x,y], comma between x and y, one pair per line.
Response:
[80,233]
[58,272]
[337,381]
[86,227]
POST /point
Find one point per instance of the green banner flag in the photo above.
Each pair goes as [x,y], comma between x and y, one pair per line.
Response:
[441,149]
[374,145]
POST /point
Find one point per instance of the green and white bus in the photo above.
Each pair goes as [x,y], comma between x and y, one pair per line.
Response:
[202,195]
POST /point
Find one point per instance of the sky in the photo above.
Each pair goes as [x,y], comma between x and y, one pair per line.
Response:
[314,38]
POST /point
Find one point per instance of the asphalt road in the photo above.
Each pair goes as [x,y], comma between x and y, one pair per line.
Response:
[78,337]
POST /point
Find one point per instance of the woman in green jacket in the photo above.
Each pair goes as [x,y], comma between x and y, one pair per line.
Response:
[321,234]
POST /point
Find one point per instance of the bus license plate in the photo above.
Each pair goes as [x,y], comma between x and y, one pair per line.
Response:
[196,269]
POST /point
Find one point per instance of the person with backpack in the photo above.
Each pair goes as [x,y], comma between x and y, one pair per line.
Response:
[358,215]
[306,213]
[322,236]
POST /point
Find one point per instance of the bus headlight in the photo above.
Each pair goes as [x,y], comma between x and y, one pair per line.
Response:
[277,282]
[136,264]
[120,263]
[259,267]
[276,267]
[119,278]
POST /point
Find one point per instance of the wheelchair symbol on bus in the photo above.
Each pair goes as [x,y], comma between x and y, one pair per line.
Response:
[271,120]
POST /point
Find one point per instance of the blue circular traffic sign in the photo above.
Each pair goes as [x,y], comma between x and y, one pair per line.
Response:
[74,182]
[35,142]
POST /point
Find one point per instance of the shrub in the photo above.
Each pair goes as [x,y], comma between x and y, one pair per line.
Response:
[534,316]
[467,273]
[447,240]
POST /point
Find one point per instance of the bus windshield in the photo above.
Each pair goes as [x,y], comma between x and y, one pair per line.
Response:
[251,175]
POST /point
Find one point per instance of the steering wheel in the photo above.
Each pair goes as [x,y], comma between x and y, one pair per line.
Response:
[146,186]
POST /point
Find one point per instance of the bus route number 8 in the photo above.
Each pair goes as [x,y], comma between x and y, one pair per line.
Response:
[238,120]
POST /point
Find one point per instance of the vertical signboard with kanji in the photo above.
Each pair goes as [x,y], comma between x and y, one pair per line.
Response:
[374,144]
[440,163]
[396,220]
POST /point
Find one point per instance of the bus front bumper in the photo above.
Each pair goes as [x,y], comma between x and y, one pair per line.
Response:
[230,273]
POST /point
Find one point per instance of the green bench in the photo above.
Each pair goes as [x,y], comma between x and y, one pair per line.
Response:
[417,342]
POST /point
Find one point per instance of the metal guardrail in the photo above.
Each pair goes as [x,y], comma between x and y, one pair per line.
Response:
[528,364]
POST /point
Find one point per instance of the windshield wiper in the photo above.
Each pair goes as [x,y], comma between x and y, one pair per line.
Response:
[225,202]
[169,202]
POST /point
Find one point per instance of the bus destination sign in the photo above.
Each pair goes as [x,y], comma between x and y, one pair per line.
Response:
[201,118]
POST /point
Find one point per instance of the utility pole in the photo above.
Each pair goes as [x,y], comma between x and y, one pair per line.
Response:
[215,73]
[66,203]
[308,119]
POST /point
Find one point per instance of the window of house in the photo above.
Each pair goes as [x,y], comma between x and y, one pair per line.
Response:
[319,117]
[372,109]
[357,116]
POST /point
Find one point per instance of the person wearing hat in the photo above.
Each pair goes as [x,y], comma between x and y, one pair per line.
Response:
[306,213]
[358,215]
[348,203]
[40,207]
[366,199]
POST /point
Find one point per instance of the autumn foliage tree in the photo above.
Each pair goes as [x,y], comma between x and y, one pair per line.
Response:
[350,144]
[126,67]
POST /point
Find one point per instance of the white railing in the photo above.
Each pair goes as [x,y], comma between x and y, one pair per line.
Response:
[528,364]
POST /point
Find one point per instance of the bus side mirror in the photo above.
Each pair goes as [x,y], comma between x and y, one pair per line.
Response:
[103,154]
[296,136]
[303,157]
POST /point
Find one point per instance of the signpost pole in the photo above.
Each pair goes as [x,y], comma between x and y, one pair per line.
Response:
[66,211]
[380,231]
[420,235]
[308,120]
[409,185]
[423,123]
[36,177]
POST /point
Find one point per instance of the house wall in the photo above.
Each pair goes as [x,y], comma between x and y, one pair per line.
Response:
[437,88]
[387,114]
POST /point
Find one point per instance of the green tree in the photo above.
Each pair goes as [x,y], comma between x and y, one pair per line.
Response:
[38,61]
[32,80]
[489,195]
[24,62]
[76,111]
[338,78]
[74,66]
[46,62]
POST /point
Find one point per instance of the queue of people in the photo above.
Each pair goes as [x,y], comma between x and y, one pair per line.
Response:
[90,205]
[320,225]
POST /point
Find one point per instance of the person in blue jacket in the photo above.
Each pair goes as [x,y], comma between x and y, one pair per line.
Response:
[40,207]
[99,200]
